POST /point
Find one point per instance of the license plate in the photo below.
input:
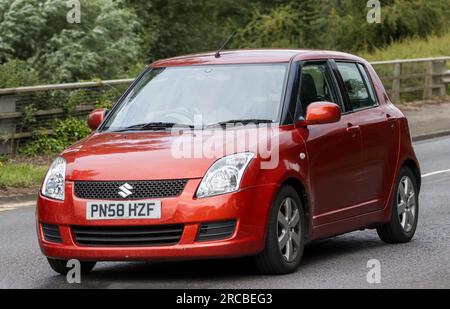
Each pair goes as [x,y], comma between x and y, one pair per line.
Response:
[115,210]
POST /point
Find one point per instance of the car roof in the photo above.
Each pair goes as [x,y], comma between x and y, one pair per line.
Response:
[253,56]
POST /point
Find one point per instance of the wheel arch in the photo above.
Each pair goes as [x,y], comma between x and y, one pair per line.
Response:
[298,185]
[414,167]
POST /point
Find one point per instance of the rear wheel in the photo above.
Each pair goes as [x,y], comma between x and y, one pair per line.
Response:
[405,210]
[285,235]
[60,266]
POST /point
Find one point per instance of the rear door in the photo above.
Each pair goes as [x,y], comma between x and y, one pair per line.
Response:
[379,134]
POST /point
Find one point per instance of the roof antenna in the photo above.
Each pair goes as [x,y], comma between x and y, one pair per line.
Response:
[217,55]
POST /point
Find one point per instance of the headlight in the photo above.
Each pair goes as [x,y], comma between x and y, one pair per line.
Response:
[54,181]
[225,175]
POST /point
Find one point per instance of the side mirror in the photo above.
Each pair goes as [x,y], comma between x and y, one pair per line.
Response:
[96,118]
[322,113]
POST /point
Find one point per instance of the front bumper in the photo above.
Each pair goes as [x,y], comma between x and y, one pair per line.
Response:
[249,207]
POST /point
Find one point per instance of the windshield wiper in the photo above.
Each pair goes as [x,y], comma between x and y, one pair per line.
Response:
[240,121]
[154,126]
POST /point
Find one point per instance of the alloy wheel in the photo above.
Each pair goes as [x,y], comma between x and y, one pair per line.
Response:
[406,204]
[289,229]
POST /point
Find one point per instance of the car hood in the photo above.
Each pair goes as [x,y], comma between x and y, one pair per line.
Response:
[146,155]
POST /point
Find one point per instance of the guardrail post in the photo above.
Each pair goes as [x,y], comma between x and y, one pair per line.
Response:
[396,83]
[428,90]
[8,126]
[439,87]
[434,82]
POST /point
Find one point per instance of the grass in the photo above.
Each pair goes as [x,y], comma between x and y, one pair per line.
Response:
[433,46]
[21,175]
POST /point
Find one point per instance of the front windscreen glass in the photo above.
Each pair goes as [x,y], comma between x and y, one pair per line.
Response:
[202,95]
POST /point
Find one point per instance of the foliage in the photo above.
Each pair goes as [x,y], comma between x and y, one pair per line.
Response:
[111,95]
[171,28]
[108,97]
[75,98]
[65,133]
[16,73]
[70,130]
[433,46]
[103,45]
[103,103]
[342,25]
[274,29]
[29,116]
[42,144]
[21,175]
[116,37]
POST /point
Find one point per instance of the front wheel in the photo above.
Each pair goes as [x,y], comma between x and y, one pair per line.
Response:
[285,238]
[60,266]
[405,210]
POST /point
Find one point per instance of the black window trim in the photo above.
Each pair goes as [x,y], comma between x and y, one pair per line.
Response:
[346,97]
[288,107]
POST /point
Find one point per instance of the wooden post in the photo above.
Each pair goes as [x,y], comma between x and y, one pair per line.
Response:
[396,83]
[8,126]
[439,70]
[428,90]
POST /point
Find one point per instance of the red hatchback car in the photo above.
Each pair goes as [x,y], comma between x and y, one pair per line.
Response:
[175,170]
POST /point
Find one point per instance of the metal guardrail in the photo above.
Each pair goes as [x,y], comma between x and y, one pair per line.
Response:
[416,60]
[65,86]
[13,103]
[421,79]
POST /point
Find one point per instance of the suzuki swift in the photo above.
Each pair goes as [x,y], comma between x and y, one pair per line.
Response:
[239,153]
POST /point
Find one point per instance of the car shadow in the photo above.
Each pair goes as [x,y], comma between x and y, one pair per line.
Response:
[211,272]
[328,249]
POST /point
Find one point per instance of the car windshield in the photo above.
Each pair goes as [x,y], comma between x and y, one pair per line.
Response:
[201,95]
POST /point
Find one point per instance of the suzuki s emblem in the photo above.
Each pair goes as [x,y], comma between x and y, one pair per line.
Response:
[125,190]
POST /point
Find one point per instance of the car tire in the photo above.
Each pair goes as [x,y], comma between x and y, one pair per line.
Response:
[275,258]
[405,210]
[60,266]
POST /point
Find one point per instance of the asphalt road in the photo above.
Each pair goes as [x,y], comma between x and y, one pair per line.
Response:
[340,262]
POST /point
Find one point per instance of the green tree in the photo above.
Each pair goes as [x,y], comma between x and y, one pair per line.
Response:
[116,37]
[342,24]
[172,27]
[105,44]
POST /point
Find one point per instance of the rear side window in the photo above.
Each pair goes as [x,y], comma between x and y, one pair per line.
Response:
[369,84]
[357,84]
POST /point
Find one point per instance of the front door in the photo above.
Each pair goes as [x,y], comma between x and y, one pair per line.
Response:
[334,150]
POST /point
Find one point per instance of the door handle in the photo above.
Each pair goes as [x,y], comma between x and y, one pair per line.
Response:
[391,120]
[353,130]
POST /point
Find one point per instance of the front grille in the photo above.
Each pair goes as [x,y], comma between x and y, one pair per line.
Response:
[216,230]
[109,190]
[51,233]
[128,235]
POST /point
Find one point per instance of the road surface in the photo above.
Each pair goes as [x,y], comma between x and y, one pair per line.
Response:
[340,262]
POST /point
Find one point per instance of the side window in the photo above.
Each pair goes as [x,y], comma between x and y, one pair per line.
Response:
[356,86]
[369,84]
[316,85]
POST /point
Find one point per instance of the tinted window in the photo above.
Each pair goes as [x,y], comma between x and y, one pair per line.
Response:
[316,85]
[368,83]
[355,85]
